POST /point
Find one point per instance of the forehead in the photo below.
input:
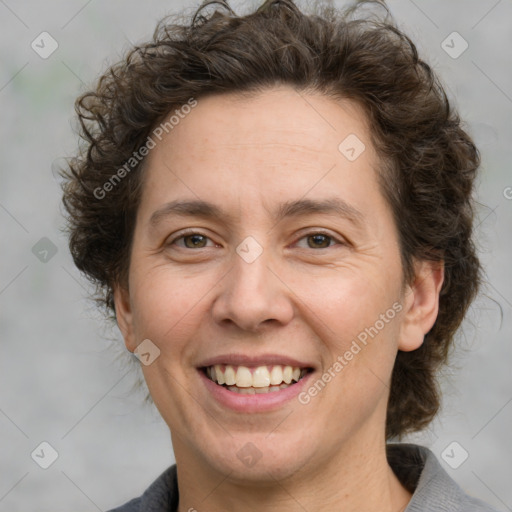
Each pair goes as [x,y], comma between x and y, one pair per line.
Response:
[253,150]
[303,121]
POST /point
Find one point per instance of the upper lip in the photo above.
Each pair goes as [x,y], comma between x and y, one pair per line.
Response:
[252,360]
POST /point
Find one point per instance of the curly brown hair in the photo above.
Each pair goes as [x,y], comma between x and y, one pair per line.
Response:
[428,161]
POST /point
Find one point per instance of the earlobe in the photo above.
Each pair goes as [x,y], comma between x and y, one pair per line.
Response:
[421,304]
[124,315]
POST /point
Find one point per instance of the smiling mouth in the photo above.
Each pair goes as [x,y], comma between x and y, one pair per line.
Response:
[255,380]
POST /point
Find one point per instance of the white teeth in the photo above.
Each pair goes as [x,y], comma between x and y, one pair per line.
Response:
[219,374]
[264,378]
[260,377]
[257,391]
[246,391]
[287,374]
[243,377]
[276,375]
[229,376]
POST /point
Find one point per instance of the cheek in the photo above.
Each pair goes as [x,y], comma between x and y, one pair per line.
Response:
[345,301]
[166,304]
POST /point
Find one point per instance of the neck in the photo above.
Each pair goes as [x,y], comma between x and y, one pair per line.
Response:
[350,480]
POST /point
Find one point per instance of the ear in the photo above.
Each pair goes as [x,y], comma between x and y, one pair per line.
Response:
[421,304]
[124,315]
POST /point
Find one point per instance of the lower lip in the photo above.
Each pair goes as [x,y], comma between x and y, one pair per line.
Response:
[259,402]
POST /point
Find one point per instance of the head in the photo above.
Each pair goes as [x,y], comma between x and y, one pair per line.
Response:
[339,183]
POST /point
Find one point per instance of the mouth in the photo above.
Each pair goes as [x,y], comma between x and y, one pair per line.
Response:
[255,380]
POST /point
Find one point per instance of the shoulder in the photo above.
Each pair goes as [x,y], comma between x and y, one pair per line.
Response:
[160,496]
[131,506]
[433,489]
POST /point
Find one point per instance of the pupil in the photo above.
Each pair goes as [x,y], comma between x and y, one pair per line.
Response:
[195,240]
[318,239]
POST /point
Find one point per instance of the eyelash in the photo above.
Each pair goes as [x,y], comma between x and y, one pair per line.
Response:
[312,233]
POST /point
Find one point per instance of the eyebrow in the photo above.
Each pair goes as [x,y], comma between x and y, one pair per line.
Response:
[288,209]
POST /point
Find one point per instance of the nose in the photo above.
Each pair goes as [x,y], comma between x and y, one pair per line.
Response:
[253,296]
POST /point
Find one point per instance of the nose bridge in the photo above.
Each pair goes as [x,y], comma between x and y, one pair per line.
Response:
[251,294]
[250,269]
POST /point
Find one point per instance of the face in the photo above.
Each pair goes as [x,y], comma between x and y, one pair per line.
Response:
[259,245]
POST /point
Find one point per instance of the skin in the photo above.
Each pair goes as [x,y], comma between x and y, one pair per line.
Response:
[304,297]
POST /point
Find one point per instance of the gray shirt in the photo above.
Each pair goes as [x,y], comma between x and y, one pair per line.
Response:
[415,466]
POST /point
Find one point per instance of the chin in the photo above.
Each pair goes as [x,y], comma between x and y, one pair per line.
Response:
[257,458]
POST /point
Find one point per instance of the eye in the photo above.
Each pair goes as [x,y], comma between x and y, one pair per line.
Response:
[191,240]
[314,240]
[319,240]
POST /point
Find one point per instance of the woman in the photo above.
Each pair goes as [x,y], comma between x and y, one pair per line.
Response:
[277,209]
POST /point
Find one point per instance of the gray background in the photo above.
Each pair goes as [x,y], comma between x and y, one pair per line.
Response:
[61,380]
